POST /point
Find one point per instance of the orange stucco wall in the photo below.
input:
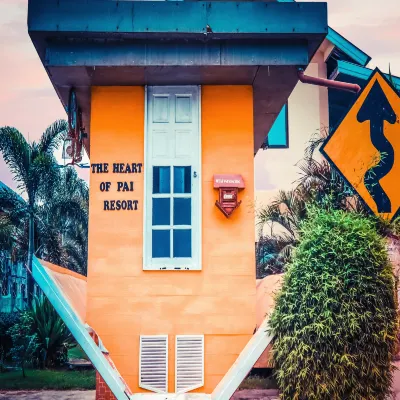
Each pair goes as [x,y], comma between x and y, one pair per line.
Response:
[123,300]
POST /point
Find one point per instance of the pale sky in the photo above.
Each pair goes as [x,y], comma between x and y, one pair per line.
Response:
[29,102]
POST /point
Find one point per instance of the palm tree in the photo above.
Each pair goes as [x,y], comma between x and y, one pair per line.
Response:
[318,184]
[34,169]
[282,218]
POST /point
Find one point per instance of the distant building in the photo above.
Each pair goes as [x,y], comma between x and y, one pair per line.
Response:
[13,276]
[13,284]
[310,110]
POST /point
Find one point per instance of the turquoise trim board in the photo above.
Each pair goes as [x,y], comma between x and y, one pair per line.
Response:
[278,136]
[78,329]
[358,72]
[348,48]
[344,45]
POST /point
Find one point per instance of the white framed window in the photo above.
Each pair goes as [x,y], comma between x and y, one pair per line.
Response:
[172,215]
[189,363]
[153,363]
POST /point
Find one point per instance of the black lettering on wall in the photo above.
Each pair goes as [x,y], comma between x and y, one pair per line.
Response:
[125,186]
[100,168]
[122,186]
[105,186]
[127,168]
[117,205]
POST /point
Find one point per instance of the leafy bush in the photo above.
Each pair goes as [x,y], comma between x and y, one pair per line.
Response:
[53,335]
[7,320]
[24,341]
[335,319]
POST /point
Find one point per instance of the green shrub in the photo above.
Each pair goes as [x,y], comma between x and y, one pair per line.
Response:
[24,341]
[335,319]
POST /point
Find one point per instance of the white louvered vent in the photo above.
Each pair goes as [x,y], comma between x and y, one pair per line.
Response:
[189,362]
[154,363]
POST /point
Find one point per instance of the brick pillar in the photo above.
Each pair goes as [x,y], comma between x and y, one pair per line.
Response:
[103,392]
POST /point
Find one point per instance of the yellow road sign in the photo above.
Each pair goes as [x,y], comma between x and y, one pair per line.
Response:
[365,148]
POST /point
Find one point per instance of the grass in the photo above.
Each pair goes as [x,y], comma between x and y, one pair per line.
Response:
[86,380]
[48,379]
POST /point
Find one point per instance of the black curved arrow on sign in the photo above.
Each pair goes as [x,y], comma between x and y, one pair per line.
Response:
[377,109]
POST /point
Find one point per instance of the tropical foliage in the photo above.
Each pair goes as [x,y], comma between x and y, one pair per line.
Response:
[49,219]
[335,320]
[32,166]
[53,337]
[279,222]
[275,246]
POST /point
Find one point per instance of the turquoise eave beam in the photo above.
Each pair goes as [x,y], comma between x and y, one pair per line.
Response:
[172,53]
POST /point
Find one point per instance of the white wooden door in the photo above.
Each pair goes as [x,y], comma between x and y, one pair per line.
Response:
[172,167]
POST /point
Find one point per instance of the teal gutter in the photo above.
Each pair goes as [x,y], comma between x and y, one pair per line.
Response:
[343,44]
[359,72]
[78,329]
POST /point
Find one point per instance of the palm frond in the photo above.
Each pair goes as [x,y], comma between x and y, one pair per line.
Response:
[286,210]
[314,144]
[43,175]
[273,252]
[53,136]
[9,200]
[16,154]
[6,232]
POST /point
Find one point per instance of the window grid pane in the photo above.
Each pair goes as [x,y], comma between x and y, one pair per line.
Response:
[182,247]
[182,211]
[172,215]
[182,179]
[161,243]
[161,211]
[161,180]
